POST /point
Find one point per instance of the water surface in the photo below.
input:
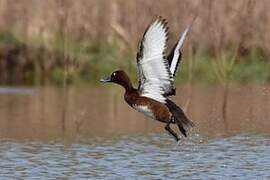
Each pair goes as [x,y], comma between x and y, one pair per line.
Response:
[244,156]
[91,133]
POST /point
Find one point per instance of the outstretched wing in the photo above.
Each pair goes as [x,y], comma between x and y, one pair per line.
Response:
[174,57]
[155,78]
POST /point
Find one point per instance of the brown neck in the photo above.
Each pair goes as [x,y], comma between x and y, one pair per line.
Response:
[127,84]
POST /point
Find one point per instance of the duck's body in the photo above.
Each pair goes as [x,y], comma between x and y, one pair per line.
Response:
[149,107]
[156,74]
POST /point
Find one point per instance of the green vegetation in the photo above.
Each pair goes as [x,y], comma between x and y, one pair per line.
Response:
[89,61]
[253,68]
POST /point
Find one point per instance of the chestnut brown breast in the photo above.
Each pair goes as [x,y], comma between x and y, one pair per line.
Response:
[147,106]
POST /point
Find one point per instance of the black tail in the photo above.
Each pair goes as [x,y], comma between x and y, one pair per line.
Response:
[180,118]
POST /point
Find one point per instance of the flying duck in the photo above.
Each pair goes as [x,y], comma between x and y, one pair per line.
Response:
[156,73]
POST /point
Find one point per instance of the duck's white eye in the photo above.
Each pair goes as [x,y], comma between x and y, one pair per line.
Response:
[114,74]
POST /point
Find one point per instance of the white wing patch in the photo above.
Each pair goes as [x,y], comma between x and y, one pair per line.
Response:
[176,55]
[153,68]
[145,110]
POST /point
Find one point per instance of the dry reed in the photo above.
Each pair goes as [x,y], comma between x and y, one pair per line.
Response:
[228,22]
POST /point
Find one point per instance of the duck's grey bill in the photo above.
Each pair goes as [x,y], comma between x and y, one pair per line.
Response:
[105,80]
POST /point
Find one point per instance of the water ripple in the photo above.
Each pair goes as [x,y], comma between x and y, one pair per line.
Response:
[138,157]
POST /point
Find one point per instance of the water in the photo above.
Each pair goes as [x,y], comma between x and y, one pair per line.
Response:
[155,156]
[102,138]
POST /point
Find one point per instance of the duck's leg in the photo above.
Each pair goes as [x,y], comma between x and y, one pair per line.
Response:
[168,128]
[182,130]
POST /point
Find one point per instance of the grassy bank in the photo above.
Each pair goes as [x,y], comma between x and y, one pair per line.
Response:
[33,62]
[252,68]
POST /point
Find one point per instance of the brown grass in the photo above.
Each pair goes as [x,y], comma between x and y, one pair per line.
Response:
[219,24]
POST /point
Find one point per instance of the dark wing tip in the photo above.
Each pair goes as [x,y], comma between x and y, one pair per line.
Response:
[160,20]
[164,23]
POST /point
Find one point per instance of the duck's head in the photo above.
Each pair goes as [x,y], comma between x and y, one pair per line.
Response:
[118,77]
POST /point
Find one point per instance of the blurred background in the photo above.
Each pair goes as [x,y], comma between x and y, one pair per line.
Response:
[90,38]
[53,53]
[65,47]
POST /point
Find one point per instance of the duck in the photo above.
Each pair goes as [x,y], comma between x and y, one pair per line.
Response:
[156,72]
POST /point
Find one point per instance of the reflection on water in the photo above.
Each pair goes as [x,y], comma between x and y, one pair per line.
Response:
[144,157]
[103,138]
[36,113]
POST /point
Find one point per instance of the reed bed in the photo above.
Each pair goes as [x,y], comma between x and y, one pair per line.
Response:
[84,39]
